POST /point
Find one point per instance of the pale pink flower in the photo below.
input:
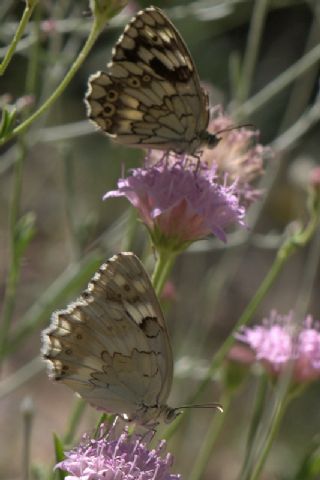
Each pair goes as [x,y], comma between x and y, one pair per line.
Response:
[123,458]
[181,203]
[237,156]
[279,342]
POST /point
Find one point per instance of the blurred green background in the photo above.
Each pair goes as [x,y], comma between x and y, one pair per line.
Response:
[68,167]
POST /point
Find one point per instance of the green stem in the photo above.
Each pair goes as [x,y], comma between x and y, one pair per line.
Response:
[34,63]
[211,437]
[301,91]
[273,430]
[21,377]
[74,420]
[286,250]
[74,276]
[95,31]
[255,422]
[282,81]
[70,203]
[162,269]
[14,268]
[27,420]
[30,5]
[309,277]
[254,39]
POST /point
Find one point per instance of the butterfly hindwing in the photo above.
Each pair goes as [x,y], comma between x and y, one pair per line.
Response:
[111,346]
[151,95]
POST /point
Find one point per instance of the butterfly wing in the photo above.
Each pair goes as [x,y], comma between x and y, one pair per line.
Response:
[151,95]
[111,346]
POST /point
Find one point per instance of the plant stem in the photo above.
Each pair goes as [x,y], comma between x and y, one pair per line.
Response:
[286,250]
[14,267]
[280,410]
[162,269]
[282,81]
[27,424]
[20,377]
[74,420]
[253,44]
[74,276]
[255,422]
[301,91]
[95,31]
[212,435]
[30,5]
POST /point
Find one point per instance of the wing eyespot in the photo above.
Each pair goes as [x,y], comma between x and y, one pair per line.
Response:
[112,95]
[109,110]
[134,82]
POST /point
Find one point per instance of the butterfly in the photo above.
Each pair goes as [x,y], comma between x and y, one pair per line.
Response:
[111,345]
[150,96]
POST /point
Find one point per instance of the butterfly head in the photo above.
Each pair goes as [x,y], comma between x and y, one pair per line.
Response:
[151,416]
[209,140]
[169,414]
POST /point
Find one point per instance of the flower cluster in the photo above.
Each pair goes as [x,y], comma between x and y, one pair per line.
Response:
[279,341]
[237,156]
[183,198]
[180,203]
[123,458]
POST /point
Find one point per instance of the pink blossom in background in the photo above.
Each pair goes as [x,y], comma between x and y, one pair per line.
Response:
[237,156]
[280,340]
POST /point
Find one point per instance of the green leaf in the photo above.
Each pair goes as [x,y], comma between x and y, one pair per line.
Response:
[104,10]
[8,119]
[59,453]
[105,418]
[24,233]
[310,466]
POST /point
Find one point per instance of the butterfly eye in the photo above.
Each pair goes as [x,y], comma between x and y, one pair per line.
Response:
[134,82]
[112,95]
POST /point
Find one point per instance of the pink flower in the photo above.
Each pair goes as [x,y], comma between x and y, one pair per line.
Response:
[237,154]
[279,341]
[123,458]
[181,203]
[315,178]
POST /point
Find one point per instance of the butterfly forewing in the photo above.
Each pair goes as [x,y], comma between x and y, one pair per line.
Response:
[111,346]
[150,95]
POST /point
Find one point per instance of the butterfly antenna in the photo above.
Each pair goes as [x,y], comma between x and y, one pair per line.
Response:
[215,405]
[235,127]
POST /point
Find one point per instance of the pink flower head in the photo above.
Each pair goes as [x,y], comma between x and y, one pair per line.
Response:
[279,341]
[49,26]
[237,154]
[315,178]
[123,458]
[181,203]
